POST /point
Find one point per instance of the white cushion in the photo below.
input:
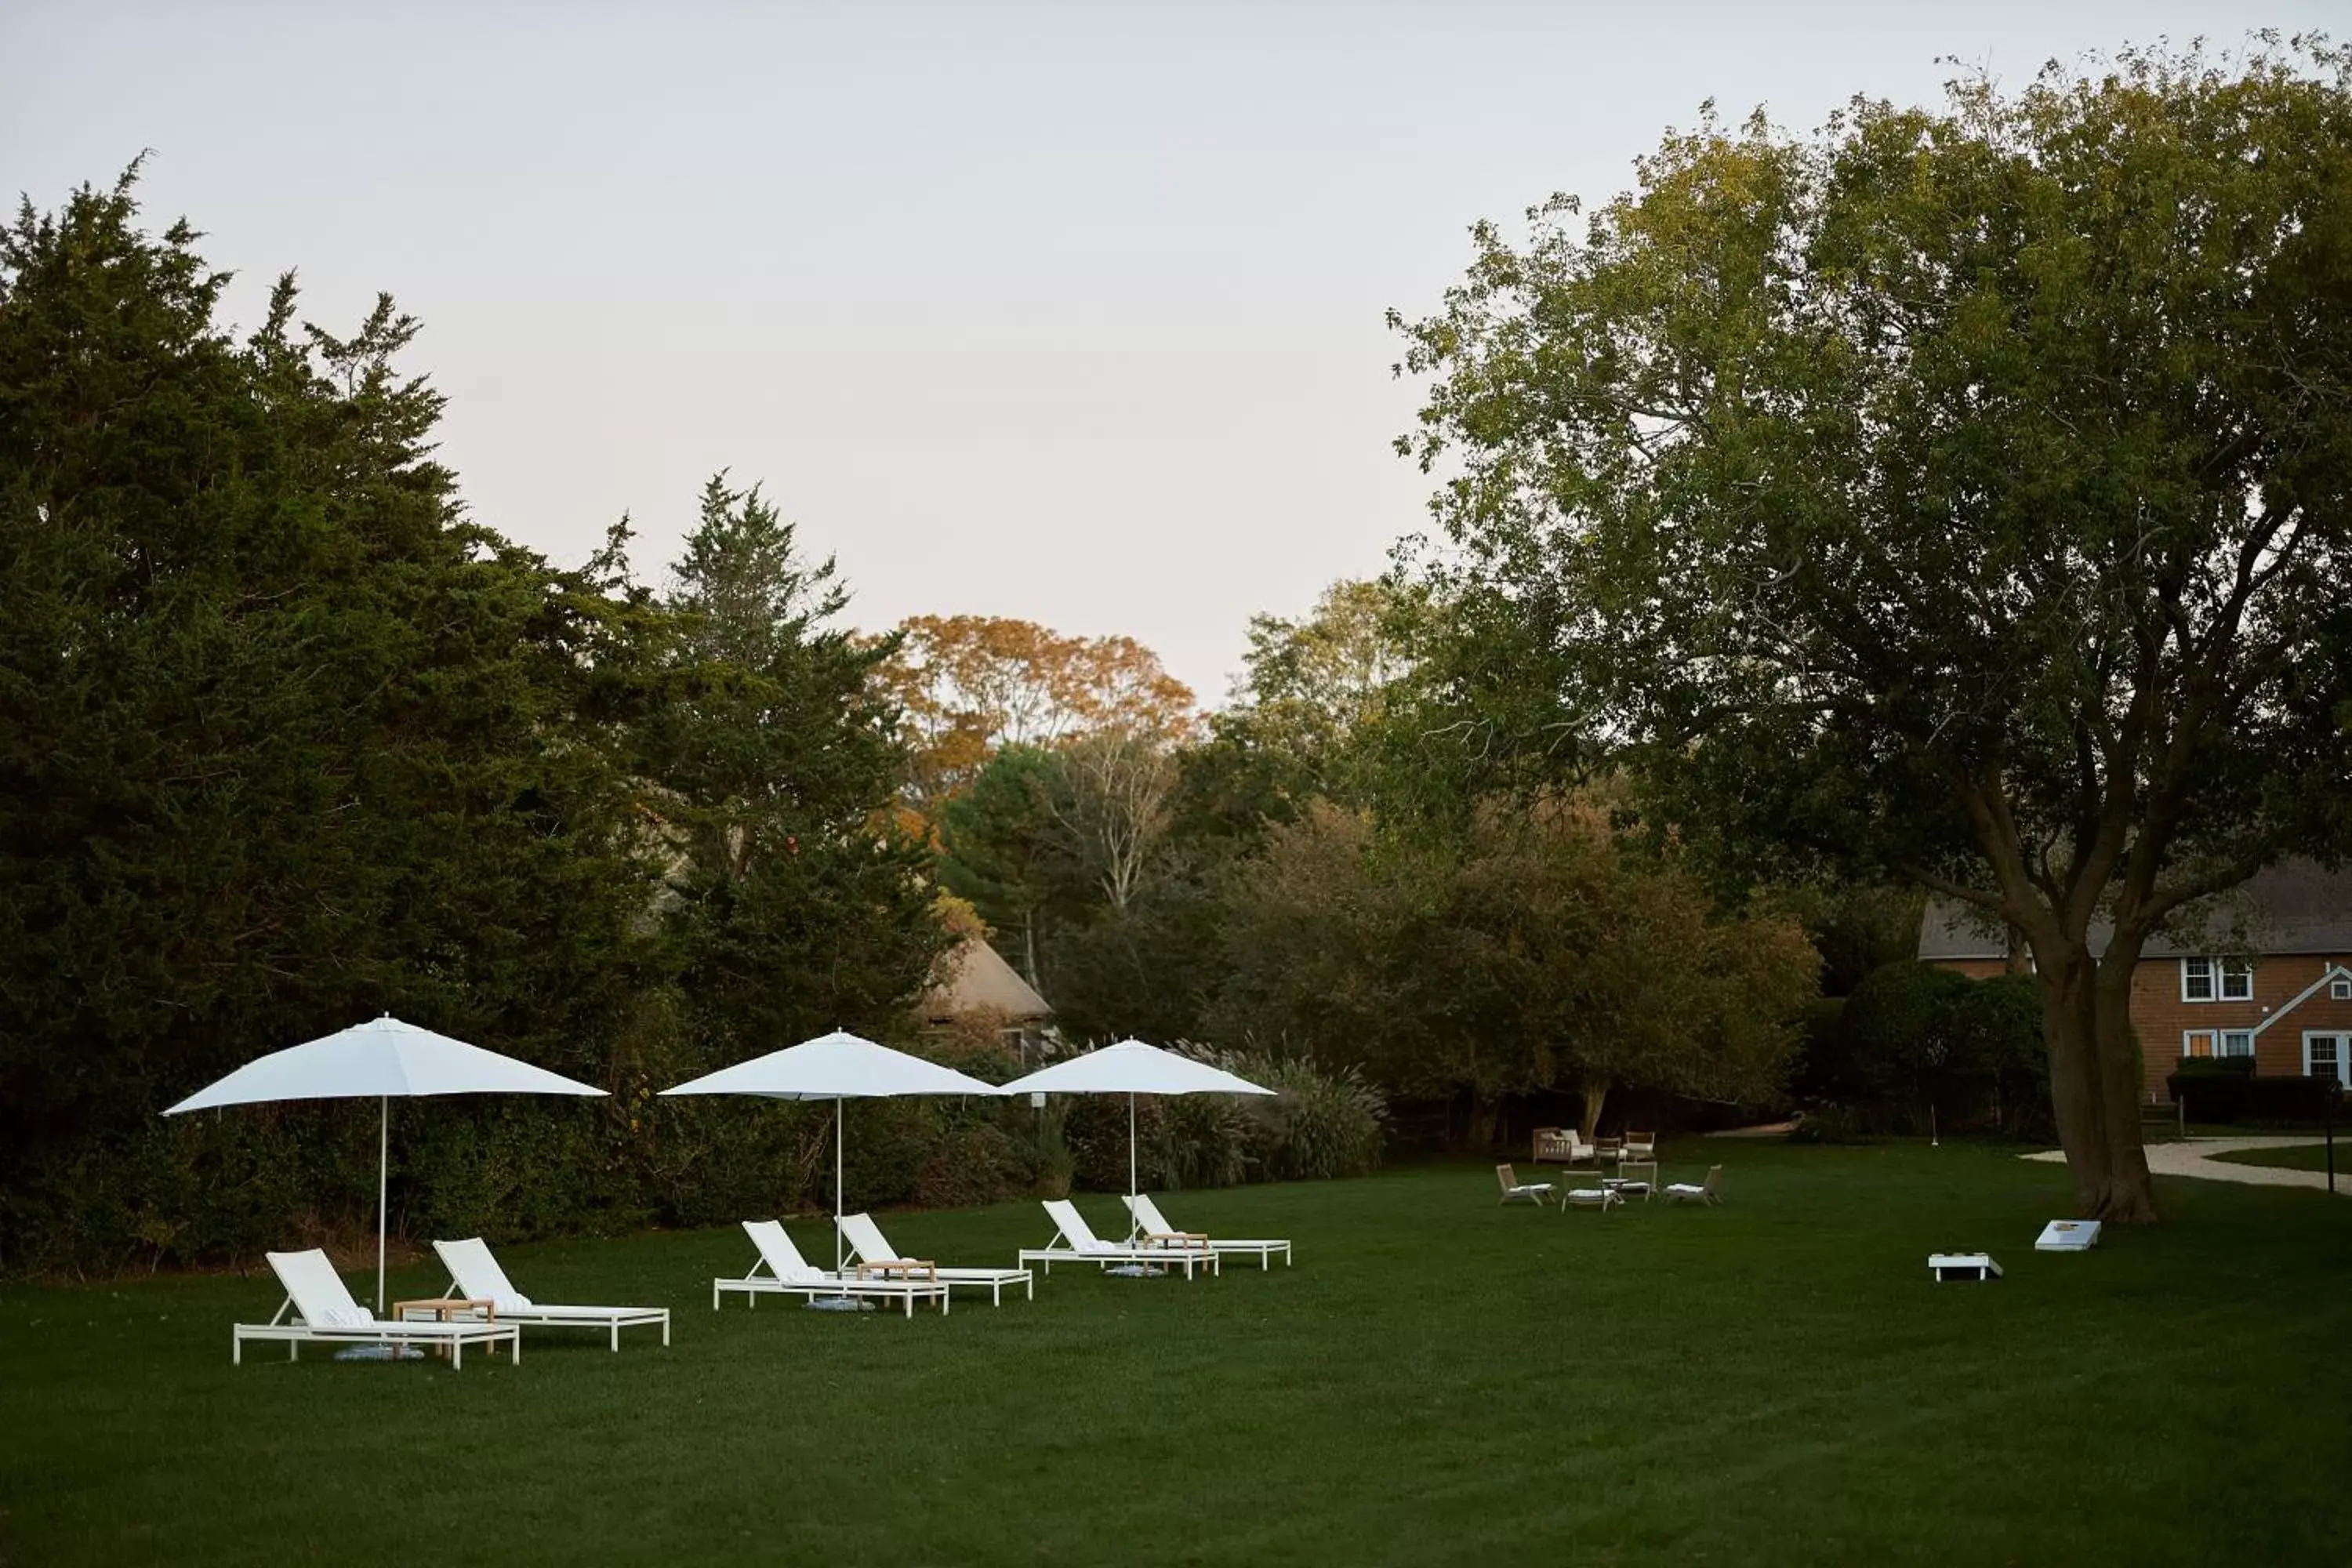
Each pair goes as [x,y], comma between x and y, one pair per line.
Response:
[516,1303]
[343,1317]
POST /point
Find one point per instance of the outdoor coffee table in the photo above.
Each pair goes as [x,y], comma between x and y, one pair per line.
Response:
[446,1310]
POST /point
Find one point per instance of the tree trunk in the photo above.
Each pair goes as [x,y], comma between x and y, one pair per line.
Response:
[2095,1082]
[1596,1093]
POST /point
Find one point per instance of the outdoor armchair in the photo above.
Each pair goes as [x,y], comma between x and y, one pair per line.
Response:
[875,1256]
[790,1274]
[1151,1227]
[474,1274]
[1709,1190]
[1516,1191]
[318,1309]
[1564,1145]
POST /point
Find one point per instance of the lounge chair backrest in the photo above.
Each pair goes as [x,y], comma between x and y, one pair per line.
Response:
[478,1273]
[1713,1185]
[1508,1177]
[318,1292]
[865,1238]
[1074,1226]
[776,1250]
[1643,1143]
[1147,1214]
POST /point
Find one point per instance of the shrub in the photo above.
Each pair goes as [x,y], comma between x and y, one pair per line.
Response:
[2232,1097]
[1914,1037]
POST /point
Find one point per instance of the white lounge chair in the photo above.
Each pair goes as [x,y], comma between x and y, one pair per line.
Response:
[877,1256]
[475,1275]
[1709,1190]
[1075,1242]
[1151,1228]
[1516,1191]
[322,1312]
[1602,1199]
[788,1274]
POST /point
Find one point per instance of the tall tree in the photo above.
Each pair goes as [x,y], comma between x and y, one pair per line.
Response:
[800,903]
[1962,492]
[285,739]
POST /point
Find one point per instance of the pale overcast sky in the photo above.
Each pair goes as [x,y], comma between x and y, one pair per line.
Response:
[1065,312]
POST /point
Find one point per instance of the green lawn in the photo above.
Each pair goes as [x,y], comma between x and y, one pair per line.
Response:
[2306,1157]
[1438,1380]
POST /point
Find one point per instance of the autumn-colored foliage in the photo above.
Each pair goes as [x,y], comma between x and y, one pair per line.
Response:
[968,684]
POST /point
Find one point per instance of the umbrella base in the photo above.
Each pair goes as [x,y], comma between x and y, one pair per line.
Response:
[838,1304]
[1136,1270]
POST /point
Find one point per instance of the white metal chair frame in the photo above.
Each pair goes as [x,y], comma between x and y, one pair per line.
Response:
[753,1285]
[1151,1227]
[873,1251]
[1085,1247]
[514,1307]
[290,1327]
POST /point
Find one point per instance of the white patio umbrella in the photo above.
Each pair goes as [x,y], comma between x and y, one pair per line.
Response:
[377,1060]
[836,1067]
[1131,1068]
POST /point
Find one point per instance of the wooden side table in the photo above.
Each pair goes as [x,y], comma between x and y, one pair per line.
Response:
[900,1269]
[446,1310]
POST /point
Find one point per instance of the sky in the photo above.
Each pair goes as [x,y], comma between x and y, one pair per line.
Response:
[1073,313]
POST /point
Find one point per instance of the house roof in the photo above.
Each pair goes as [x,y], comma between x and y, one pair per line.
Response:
[974,978]
[2295,907]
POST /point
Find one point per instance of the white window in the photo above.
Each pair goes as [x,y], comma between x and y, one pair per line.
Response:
[2217,979]
[2217,1043]
[2324,1056]
[2340,989]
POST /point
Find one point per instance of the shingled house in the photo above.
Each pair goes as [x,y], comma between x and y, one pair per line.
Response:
[973,984]
[2265,971]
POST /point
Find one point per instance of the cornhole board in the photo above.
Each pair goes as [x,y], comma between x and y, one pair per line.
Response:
[1962,1265]
[2068,1236]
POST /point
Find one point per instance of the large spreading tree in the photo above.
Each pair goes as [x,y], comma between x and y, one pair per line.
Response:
[1958,492]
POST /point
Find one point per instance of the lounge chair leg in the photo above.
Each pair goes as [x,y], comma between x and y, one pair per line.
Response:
[616,1339]
[293,1349]
[457,1355]
[235,1348]
[665,1330]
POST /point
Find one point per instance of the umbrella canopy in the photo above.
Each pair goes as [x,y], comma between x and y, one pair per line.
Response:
[378,1061]
[1131,1068]
[836,1067]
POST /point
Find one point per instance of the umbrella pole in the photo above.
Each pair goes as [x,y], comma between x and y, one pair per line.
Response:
[1131,1188]
[382,1184]
[837,1185]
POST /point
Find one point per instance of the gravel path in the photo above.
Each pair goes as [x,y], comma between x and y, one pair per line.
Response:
[2194,1157]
